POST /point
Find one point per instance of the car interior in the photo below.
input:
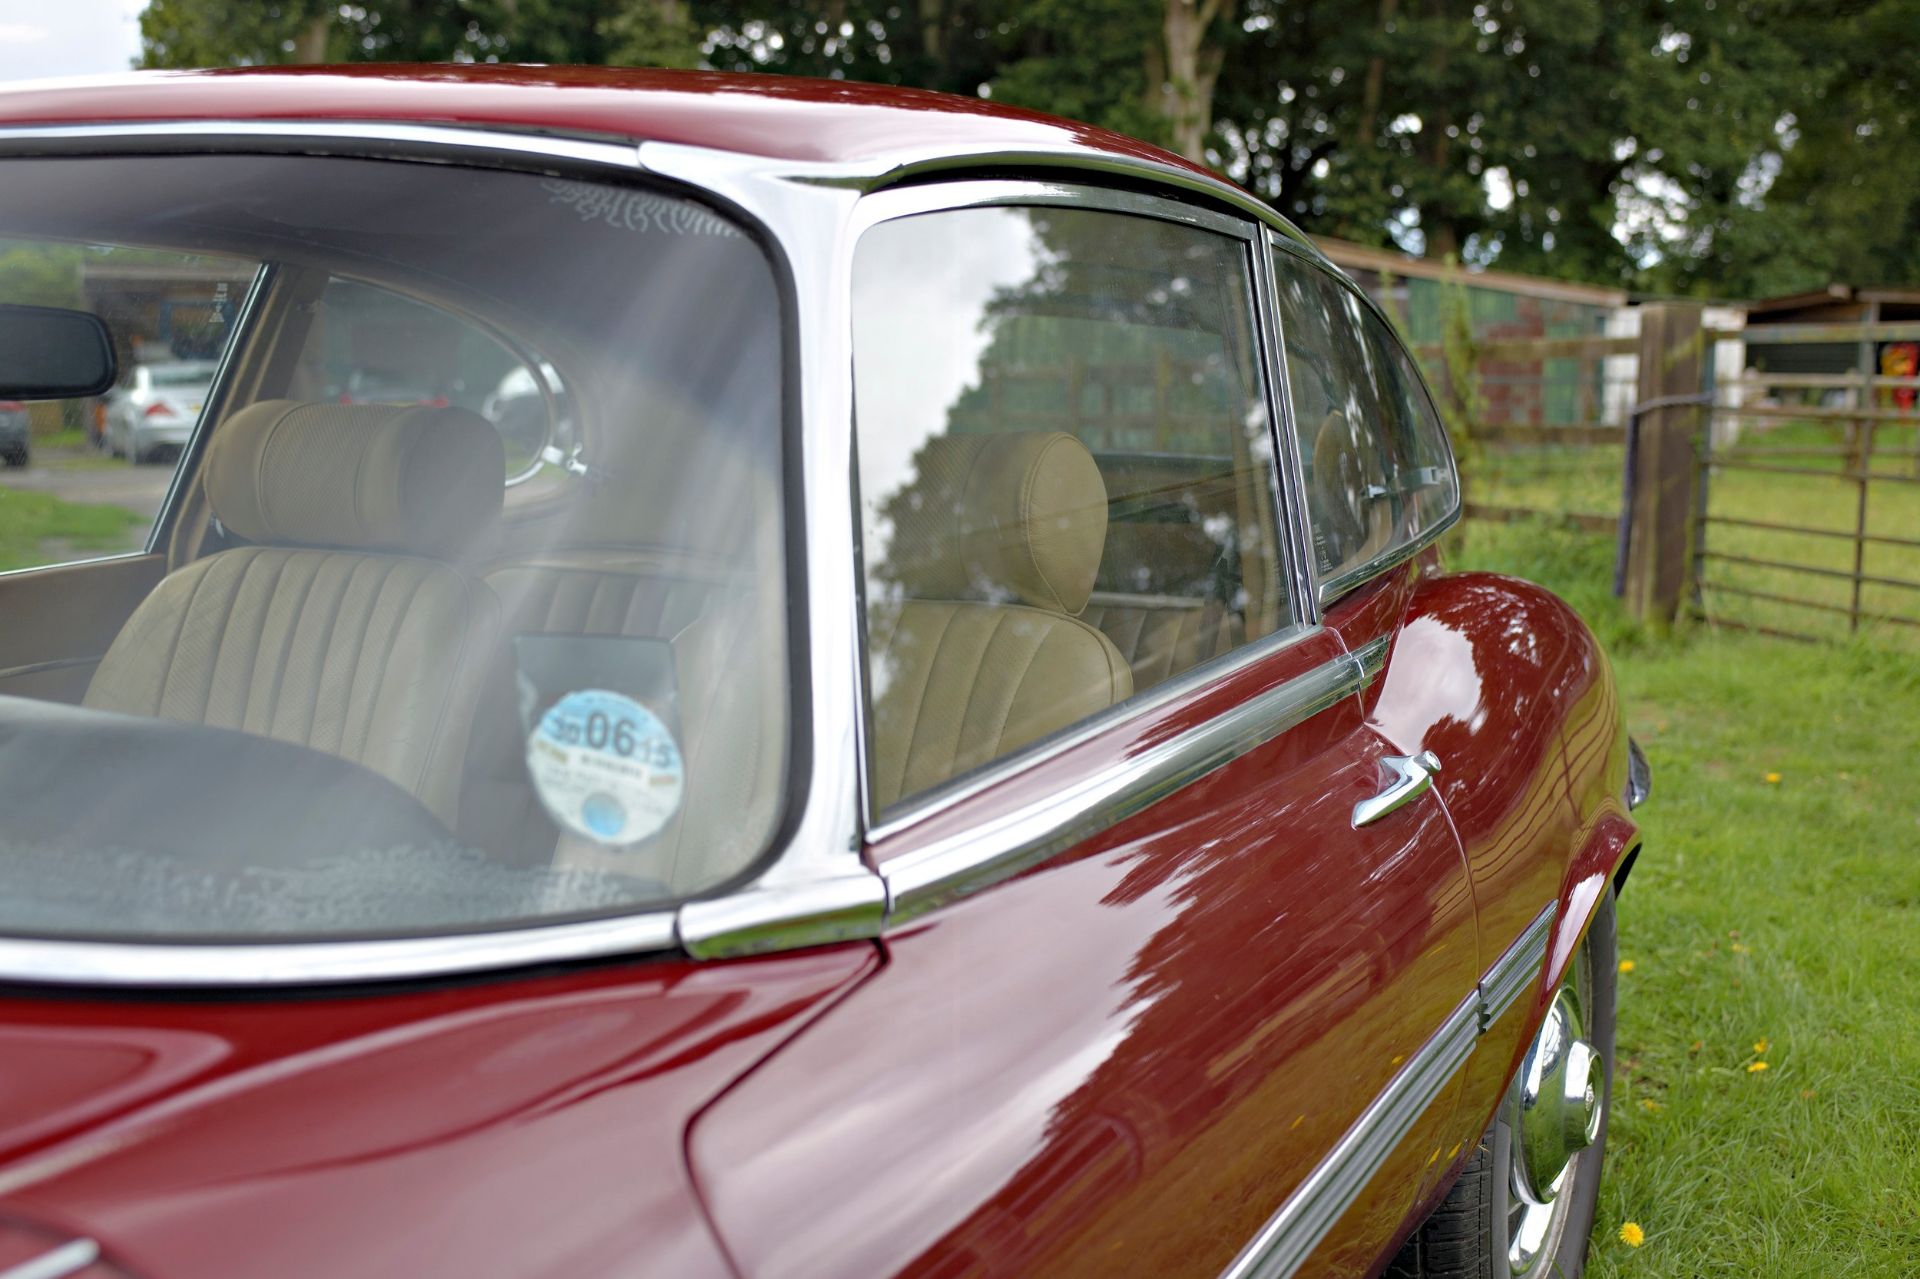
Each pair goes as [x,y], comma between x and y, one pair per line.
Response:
[371,578]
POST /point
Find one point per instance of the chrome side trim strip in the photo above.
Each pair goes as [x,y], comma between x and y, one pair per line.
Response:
[1292,1233]
[1517,968]
[1372,656]
[67,1259]
[984,855]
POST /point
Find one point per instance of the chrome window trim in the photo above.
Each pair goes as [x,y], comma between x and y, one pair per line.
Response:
[361,138]
[959,193]
[989,852]
[1286,444]
[1332,588]
[249,965]
[1310,1212]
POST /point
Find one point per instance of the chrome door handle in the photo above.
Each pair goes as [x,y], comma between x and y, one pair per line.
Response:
[1412,776]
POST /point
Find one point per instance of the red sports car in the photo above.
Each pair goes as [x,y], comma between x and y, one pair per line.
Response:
[937,741]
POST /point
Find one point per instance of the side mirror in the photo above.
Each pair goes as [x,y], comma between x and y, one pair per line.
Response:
[47,353]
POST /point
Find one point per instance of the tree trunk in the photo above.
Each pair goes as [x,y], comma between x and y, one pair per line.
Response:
[1375,87]
[1189,66]
[310,43]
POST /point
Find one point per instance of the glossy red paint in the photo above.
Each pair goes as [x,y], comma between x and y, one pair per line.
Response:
[1128,1057]
[529,1128]
[1505,683]
[780,117]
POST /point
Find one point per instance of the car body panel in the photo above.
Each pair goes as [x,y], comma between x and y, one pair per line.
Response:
[1131,1055]
[525,1129]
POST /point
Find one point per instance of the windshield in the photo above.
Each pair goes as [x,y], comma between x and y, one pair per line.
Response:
[467,609]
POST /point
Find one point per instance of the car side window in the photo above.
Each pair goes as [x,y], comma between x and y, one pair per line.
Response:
[85,478]
[1065,468]
[370,345]
[1379,472]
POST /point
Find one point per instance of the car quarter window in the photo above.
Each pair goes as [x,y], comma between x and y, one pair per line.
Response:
[370,345]
[1065,473]
[85,477]
[1379,472]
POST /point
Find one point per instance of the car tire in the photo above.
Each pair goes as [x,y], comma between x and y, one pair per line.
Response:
[17,458]
[1470,1235]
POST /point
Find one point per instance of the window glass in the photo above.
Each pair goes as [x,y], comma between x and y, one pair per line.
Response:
[377,694]
[368,345]
[1379,473]
[1066,484]
[85,477]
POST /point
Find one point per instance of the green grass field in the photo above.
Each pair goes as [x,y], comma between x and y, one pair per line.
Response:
[39,528]
[1774,918]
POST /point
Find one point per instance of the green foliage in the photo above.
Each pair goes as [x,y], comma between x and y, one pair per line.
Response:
[38,274]
[1709,146]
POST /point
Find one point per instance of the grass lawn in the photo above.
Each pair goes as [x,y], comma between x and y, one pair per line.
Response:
[1774,918]
[39,528]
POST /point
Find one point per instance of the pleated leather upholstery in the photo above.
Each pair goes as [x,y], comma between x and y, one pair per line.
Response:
[958,684]
[1160,639]
[374,658]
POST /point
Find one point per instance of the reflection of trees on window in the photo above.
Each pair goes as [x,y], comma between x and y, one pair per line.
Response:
[1118,339]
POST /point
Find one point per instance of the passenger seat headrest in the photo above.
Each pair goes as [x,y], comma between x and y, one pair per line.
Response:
[1013,514]
[405,478]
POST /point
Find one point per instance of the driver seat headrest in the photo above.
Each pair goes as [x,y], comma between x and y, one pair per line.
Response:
[1002,518]
[377,477]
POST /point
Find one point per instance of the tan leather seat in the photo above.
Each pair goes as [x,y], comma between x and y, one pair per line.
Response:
[616,557]
[1158,597]
[1163,636]
[730,717]
[974,644]
[343,627]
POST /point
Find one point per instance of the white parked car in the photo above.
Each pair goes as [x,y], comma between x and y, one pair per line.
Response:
[154,412]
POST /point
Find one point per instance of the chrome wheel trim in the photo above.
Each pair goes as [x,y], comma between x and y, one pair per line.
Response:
[1537,1214]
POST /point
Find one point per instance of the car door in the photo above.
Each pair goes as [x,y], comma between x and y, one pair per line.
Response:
[1153,1003]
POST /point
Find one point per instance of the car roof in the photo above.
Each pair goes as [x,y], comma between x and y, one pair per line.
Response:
[776,116]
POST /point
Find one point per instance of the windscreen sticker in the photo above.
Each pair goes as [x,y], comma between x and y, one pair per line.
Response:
[606,767]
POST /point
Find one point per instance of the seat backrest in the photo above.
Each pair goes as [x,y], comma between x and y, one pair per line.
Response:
[975,646]
[342,627]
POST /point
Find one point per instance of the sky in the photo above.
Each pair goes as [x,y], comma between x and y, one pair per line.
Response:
[67,37]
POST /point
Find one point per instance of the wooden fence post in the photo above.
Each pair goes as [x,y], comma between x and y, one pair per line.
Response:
[1660,519]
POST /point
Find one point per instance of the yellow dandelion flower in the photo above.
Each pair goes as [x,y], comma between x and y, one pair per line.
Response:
[1755,1067]
[1761,1045]
[1739,948]
[1626,965]
[1773,779]
[1649,1105]
[1631,1234]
